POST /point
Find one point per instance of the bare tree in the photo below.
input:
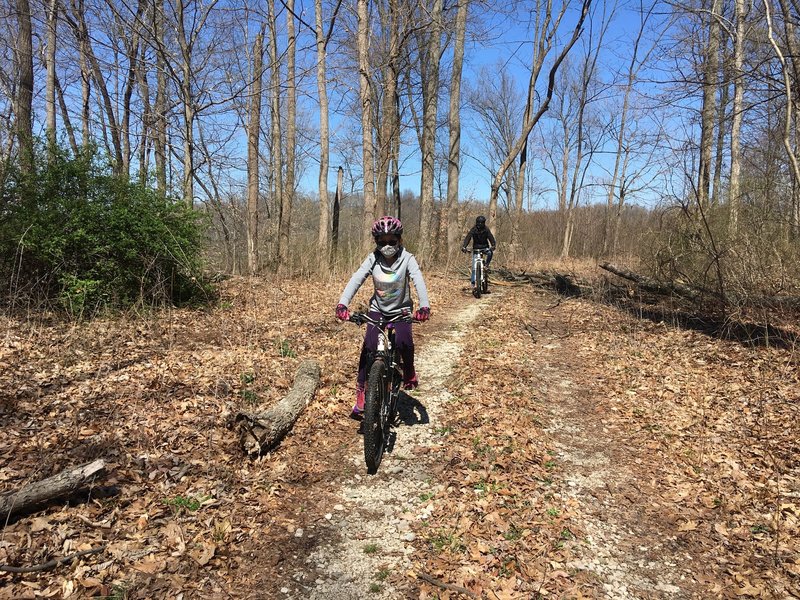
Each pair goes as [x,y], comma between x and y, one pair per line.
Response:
[709,108]
[622,152]
[454,150]
[276,156]
[285,215]
[544,38]
[430,59]
[737,114]
[50,92]
[253,136]
[788,120]
[323,237]
[365,95]
[77,21]
[24,101]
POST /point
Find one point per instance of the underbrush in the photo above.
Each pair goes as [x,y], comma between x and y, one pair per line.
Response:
[76,238]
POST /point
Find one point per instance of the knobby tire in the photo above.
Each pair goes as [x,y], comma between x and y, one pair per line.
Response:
[478,280]
[373,423]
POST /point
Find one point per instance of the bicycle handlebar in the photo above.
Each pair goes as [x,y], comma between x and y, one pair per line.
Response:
[362,318]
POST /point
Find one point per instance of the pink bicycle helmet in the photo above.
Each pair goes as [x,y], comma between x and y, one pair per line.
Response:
[387,225]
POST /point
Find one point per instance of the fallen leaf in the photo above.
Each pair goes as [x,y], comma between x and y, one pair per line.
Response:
[204,553]
[688,526]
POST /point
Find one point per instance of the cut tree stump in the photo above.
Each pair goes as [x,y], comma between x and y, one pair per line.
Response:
[259,433]
[63,484]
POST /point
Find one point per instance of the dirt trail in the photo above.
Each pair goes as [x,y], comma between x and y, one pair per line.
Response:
[629,553]
[371,520]
[367,536]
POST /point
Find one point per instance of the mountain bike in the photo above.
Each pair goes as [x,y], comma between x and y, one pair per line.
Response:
[384,376]
[480,282]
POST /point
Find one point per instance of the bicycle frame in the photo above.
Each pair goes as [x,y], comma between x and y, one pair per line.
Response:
[478,266]
[379,418]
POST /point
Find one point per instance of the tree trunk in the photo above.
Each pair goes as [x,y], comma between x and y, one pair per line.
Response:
[285,225]
[323,243]
[160,121]
[709,109]
[50,92]
[275,117]
[794,223]
[259,433]
[430,96]
[365,95]
[24,100]
[716,191]
[253,137]
[454,157]
[790,37]
[187,98]
[34,494]
[337,203]
[736,123]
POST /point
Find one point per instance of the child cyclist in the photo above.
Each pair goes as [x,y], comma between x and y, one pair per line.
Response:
[391,267]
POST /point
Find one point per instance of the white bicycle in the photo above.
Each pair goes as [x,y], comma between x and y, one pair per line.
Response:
[480,282]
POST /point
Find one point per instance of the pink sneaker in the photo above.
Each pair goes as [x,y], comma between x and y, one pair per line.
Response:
[358,407]
[411,384]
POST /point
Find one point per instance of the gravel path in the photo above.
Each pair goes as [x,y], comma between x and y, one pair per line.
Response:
[374,514]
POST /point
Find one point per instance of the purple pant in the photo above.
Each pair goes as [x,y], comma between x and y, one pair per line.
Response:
[403,342]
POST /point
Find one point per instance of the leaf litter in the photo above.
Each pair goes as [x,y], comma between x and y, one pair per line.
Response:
[572,463]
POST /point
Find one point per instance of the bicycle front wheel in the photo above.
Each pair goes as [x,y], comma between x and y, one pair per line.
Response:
[476,291]
[374,422]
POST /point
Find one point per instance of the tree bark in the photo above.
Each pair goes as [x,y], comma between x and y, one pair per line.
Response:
[794,223]
[24,100]
[430,95]
[708,111]
[253,137]
[291,138]
[160,120]
[259,433]
[276,158]
[66,482]
[454,157]
[736,122]
[653,285]
[365,95]
[50,92]
[337,203]
[323,238]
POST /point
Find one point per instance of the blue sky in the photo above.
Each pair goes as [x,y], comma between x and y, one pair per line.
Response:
[507,44]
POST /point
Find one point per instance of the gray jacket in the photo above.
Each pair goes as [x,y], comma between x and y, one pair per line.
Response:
[392,290]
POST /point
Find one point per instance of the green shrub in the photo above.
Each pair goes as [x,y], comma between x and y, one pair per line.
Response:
[75,233]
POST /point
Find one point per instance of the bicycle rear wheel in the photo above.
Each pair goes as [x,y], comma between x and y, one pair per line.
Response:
[374,421]
[476,291]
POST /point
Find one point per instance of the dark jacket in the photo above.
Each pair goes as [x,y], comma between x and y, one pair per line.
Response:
[481,238]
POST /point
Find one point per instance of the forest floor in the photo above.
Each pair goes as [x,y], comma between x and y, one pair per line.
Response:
[555,449]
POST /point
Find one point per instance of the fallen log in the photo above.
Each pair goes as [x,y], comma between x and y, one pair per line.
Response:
[259,433]
[64,483]
[653,285]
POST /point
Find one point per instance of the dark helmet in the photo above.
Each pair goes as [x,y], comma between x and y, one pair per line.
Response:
[480,222]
